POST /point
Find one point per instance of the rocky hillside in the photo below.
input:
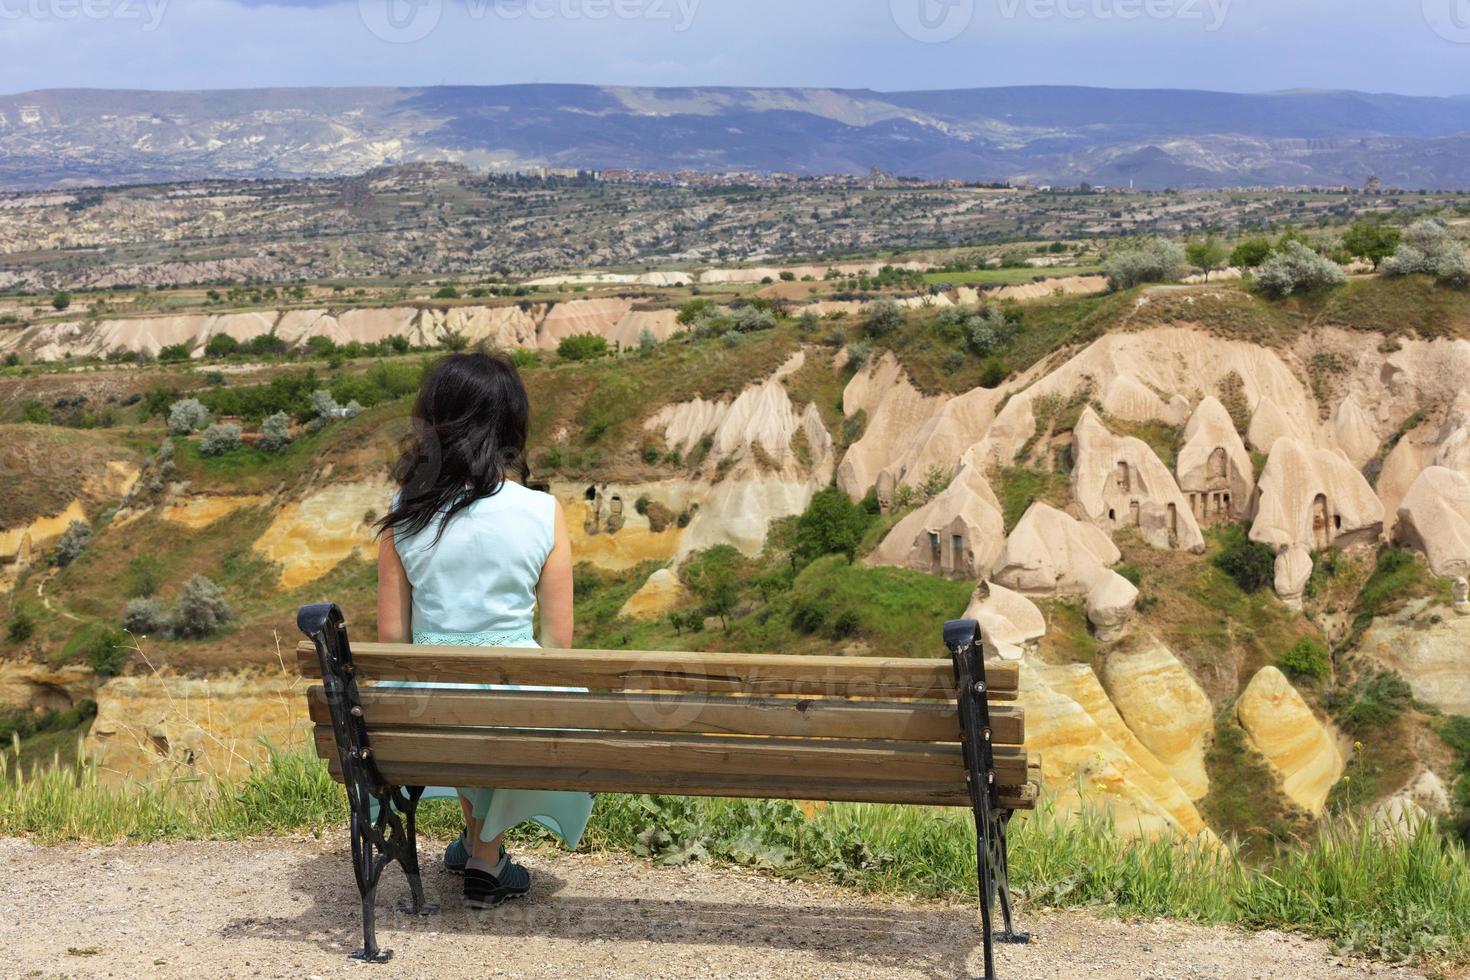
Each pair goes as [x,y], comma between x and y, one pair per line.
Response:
[1227,536]
[1052,134]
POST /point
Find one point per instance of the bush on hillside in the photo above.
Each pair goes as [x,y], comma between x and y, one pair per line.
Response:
[1251,253]
[1298,269]
[1376,700]
[202,609]
[187,416]
[219,439]
[884,317]
[145,617]
[1305,658]
[582,347]
[831,525]
[1250,564]
[20,628]
[859,354]
[1429,249]
[221,345]
[749,319]
[275,433]
[73,542]
[1157,260]
[106,651]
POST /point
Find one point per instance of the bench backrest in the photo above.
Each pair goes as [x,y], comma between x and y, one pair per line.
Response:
[692,724]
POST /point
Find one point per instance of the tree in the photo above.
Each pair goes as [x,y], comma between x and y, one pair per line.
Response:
[61,300]
[884,317]
[714,577]
[221,345]
[187,416]
[1371,240]
[831,524]
[145,617]
[275,432]
[219,439]
[201,610]
[1298,269]
[174,353]
[1251,253]
[1428,248]
[1249,563]
[582,347]
[73,542]
[1207,256]
[1156,260]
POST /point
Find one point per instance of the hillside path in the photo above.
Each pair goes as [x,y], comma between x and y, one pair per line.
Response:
[286,908]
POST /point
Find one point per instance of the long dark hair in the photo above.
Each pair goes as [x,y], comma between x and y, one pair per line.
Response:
[470,423]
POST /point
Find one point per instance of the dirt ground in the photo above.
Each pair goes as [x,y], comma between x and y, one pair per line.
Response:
[288,909]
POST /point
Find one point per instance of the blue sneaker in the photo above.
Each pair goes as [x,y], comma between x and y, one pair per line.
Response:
[457,854]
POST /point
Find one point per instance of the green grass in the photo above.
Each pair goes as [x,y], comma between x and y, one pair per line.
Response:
[1009,277]
[1019,487]
[1385,897]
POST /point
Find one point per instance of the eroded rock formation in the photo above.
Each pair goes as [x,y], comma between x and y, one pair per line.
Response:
[1164,706]
[1214,467]
[1118,482]
[1299,747]
[1050,552]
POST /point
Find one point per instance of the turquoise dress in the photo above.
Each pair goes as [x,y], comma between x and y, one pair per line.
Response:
[477,587]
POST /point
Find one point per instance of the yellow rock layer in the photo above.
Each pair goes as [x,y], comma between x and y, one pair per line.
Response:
[199,512]
[1284,730]
[163,726]
[1163,705]
[311,537]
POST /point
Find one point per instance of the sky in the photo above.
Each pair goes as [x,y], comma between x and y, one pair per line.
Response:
[1419,47]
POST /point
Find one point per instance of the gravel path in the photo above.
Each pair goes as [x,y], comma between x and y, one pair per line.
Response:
[288,909]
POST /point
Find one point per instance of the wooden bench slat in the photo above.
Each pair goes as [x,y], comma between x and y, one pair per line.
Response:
[709,714]
[672,784]
[699,755]
[623,670]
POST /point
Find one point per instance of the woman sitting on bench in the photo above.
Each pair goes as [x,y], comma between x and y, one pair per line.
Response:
[466,557]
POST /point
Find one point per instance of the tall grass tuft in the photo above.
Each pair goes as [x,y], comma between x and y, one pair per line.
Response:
[1397,897]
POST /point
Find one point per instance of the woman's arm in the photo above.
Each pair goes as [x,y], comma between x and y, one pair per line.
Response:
[554,591]
[395,595]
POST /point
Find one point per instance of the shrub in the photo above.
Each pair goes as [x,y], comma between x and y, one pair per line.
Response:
[808,615]
[846,625]
[20,628]
[808,322]
[646,340]
[73,542]
[1298,269]
[219,439]
[1306,658]
[105,650]
[1155,261]
[201,610]
[749,319]
[1376,700]
[1250,564]
[221,345]
[582,347]
[61,301]
[446,292]
[144,576]
[275,433]
[144,617]
[1429,248]
[831,524]
[187,416]
[884,317]
[859,354]
[1251,253]
[174,353]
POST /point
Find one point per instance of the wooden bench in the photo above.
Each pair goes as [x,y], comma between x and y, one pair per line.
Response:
[927,732]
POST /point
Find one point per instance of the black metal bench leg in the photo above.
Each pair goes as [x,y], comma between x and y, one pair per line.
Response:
[367,865]
[409,855]
[992,870]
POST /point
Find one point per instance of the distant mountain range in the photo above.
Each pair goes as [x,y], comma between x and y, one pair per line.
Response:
[1155,138]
